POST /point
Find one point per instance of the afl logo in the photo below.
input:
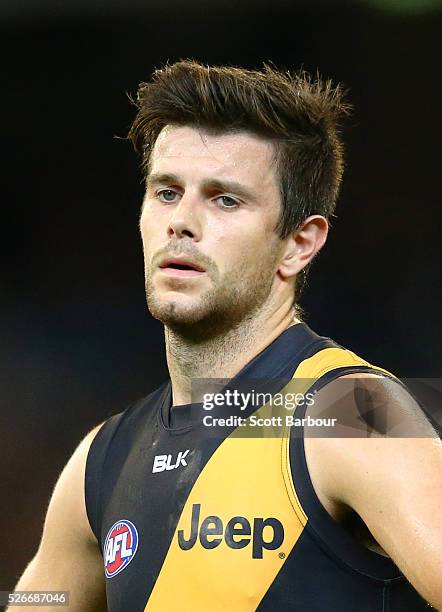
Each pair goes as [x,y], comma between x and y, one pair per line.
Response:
[120,547]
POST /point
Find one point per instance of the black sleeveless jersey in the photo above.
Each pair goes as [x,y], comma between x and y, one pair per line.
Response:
[189,521]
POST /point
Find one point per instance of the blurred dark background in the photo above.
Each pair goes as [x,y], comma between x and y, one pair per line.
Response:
[76,341]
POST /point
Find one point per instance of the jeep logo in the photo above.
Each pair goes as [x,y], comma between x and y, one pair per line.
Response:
[237,534]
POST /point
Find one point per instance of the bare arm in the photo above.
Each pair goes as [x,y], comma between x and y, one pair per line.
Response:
[393,483]
[68,558]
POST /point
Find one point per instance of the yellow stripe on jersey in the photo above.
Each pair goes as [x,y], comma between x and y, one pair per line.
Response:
[243,478]
[242,517]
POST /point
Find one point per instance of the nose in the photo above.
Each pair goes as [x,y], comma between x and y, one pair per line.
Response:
[184,221]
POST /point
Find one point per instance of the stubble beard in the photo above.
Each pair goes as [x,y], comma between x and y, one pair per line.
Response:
[232,300]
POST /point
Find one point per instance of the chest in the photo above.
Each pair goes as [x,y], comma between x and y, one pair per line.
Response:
[201,508]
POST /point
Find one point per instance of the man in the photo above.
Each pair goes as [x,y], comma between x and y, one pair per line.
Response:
[242,174]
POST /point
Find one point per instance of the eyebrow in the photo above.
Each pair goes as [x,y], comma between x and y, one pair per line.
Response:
[158,178]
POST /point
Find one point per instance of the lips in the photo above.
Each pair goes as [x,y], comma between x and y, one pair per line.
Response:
[179,263]
[179,267]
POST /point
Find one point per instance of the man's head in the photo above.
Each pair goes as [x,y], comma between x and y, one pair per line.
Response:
[242,172]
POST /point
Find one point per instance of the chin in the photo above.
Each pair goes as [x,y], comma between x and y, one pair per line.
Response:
[176,311]
[194,319]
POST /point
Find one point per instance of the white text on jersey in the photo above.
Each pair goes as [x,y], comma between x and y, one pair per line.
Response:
[164,462]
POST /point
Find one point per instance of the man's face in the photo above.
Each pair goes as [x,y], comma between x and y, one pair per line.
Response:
[208,227]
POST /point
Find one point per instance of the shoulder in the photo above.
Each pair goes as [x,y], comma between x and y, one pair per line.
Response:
[381,439]
[66,528]
[372,403]
[68,495]
[73,472]
[67,500]
[129,419]
[384,462]
[323,358]
[120,428]
[107,451]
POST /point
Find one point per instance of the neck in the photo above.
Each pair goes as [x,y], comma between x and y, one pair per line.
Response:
[222,356]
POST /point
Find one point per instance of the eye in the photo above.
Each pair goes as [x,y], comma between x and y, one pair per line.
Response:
[227,202]
[167,196]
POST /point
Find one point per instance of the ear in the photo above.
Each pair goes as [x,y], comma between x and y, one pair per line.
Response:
[303,245]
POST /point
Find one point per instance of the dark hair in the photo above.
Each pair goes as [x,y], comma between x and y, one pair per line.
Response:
[300,114]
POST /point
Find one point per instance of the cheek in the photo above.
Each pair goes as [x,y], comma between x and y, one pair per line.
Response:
[148,239]
[243,250]
[154,221]
[144,231]
[258,251]
[150,227]
[218,235]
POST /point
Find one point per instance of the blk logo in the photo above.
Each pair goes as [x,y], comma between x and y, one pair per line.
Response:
[165,462]
[238,533]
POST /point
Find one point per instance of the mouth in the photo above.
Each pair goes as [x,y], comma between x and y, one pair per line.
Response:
[179,267]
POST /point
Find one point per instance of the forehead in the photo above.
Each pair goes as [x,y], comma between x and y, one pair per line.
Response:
[239,154]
